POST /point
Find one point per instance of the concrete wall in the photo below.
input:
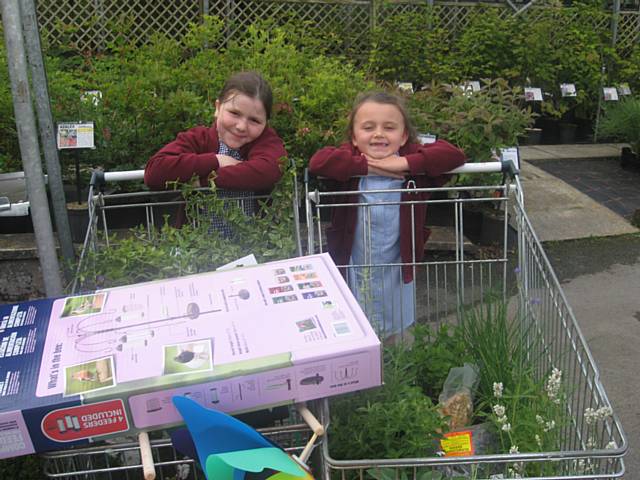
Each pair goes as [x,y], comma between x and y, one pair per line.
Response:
[20,275]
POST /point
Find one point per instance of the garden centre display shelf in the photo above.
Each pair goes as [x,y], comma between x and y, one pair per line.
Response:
[446,283]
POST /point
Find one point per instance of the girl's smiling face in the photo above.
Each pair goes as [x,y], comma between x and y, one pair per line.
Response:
[240,119]
[378,130]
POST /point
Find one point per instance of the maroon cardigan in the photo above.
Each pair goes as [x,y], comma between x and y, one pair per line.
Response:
[344,162]
[194,152]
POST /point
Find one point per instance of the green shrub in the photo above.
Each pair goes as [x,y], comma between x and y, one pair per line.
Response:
[621,122]
[410,47]
[9,150]
[477,122]
[485,47]
[151,93]
[560,45]
[196,247]
[394,421]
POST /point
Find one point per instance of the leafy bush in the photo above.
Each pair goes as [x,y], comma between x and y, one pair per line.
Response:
[560,45]
[621,122]
[151,93]
[477,122]
[485,47]
[196,247]
[9,149]
[394,421]
[410,47]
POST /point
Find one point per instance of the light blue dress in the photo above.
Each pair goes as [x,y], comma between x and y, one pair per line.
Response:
[388,302]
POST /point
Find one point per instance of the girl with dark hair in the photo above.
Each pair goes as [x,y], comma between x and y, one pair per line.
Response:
[240,151]
[374,240]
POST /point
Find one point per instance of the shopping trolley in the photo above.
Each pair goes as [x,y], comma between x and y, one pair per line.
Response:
[295,429]
[448,282]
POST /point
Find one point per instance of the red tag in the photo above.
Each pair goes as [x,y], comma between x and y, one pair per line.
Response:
[85,421]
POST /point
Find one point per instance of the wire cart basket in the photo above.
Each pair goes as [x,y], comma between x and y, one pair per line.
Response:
[447,283]
[110,216]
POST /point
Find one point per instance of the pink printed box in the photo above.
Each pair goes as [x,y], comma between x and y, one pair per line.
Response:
[86,367]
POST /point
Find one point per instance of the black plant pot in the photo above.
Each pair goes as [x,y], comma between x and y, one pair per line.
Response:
[567,133]
[485,226]
[78,221]
[627,158]
[533,136]
[550,131]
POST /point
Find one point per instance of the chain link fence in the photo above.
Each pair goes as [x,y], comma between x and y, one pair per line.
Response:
[95,24]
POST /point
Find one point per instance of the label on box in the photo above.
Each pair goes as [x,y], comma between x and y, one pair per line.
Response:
[85,421]
[14,436]
[457,444]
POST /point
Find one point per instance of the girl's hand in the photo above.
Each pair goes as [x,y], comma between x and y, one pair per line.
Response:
[392,164]
[227,161]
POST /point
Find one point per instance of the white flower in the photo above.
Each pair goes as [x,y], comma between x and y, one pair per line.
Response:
[514,449]
[591,443]
[552,385]
[497,389]
[612,445]
[538,441]
[499,410]
[590,416]
[604,412]
[502,419]
[539,419]
[550,425]
[506,427]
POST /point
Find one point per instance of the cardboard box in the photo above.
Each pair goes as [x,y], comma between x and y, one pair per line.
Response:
[87,367]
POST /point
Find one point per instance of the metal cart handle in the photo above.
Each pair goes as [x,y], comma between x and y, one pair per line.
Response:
[504,166]
[100,177]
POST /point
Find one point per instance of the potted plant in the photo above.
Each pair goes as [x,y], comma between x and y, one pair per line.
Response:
[621,122]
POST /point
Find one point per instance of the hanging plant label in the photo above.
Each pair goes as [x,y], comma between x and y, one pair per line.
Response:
[610,94]
[406,87]
[568,89]
[75,135]
[624,89]
[532,94]
[469,87]
[510,154]
[426,138]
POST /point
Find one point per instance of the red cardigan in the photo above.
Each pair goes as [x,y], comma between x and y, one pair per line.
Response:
[194,152]
[344,162]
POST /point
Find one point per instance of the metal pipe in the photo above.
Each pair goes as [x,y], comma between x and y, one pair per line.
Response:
[29,149]
[614,22]
[45,122]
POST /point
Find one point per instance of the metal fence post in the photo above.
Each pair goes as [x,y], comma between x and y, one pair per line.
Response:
[29,149]
[614,22]
[47,135]
[374,14]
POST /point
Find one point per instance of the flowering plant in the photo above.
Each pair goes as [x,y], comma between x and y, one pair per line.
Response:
[526,411]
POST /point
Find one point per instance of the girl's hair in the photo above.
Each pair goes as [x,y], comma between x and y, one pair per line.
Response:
[250,84]
[384,98]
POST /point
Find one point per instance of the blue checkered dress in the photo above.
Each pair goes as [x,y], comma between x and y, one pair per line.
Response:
[244,199]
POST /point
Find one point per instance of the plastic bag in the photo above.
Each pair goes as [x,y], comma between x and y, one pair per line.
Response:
[456,399]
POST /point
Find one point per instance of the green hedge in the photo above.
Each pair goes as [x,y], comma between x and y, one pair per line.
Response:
[151,93]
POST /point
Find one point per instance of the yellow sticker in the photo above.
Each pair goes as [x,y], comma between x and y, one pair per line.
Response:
[457,444]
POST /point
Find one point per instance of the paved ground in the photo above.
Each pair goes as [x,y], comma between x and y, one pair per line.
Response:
[595,253]
[602,179]
[560,211]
